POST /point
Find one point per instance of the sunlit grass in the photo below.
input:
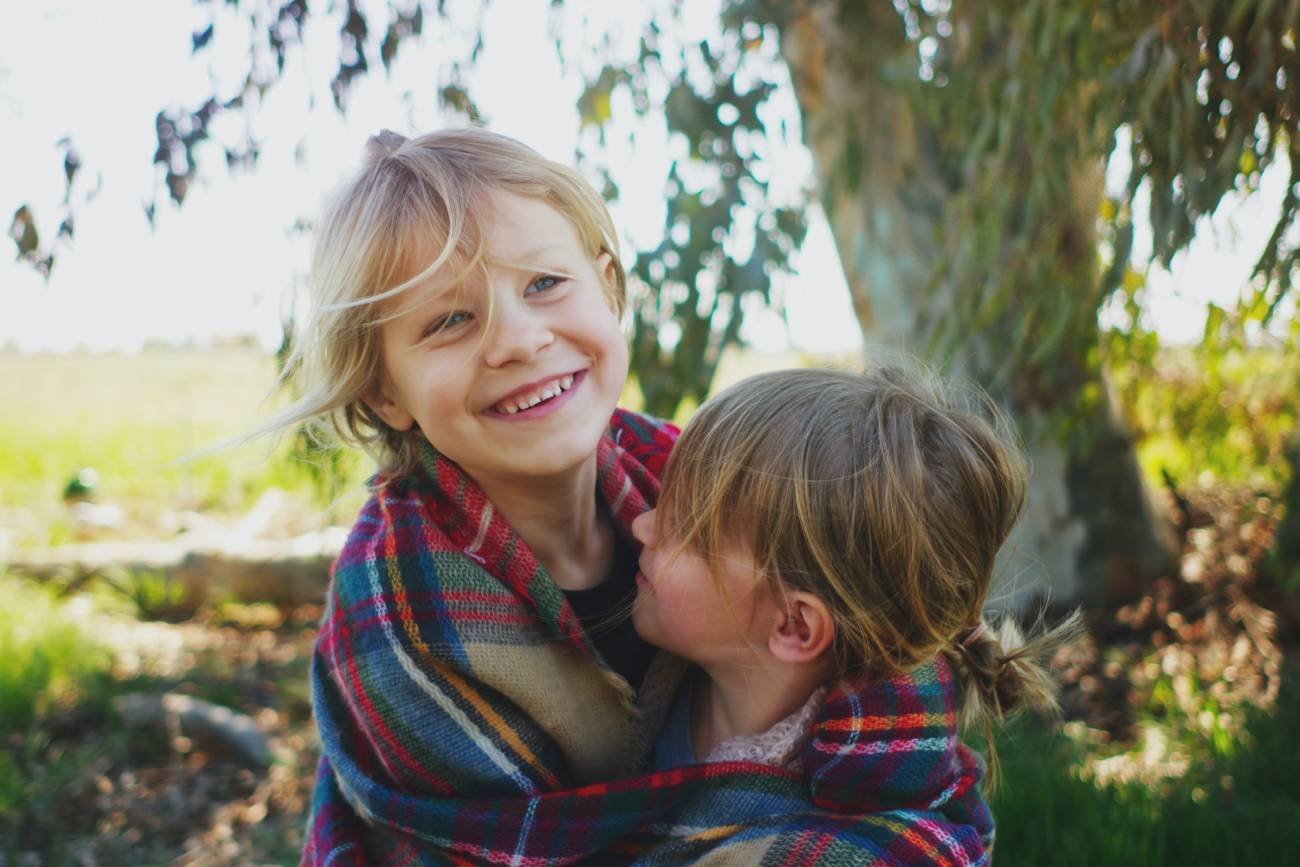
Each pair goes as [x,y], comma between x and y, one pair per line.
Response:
[146,425]
[1237,807]
[1205,416]
[50,660]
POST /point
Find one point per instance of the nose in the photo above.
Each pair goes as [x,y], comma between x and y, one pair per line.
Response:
[518,332]
[643,527]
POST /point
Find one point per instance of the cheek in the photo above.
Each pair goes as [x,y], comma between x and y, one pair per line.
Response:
[690,599]
[607,346]
[609,337]
[618,357]
[620,342]
[603,326]
[438,397]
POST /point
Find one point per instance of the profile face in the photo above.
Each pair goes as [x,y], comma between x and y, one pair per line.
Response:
[515,373]
[684,608]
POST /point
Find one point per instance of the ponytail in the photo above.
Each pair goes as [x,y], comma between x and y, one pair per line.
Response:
[1002,670]
[382,145]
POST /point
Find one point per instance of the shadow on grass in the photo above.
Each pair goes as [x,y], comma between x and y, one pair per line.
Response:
[1243,810]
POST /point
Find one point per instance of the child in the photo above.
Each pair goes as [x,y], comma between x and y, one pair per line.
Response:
[817,526]
[465,329]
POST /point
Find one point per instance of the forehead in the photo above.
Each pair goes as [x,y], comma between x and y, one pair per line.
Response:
[517,229]
[504,230]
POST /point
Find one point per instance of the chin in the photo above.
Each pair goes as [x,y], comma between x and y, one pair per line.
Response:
[574,450]
[638,621]
[646,629]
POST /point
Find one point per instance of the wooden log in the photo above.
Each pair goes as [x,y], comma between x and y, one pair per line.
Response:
[195,716]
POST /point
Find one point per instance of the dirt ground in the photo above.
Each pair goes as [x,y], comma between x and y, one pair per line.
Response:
[154,795]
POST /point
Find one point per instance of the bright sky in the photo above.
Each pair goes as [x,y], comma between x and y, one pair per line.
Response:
[225,264]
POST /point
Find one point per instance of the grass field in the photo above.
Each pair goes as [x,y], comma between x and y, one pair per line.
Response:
[1238,809]
[142,422]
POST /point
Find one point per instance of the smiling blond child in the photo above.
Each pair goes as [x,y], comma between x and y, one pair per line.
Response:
[464,328]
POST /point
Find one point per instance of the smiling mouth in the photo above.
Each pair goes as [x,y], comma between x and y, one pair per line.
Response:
[538,396]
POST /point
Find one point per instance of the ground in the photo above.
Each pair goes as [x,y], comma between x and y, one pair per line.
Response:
[1158,685]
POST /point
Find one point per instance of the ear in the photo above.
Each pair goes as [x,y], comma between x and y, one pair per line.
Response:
[804,631]
[605,266]
[383,403]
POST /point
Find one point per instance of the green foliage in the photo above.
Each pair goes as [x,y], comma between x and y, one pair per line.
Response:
[1217,104]
[51,660]
[155,595]
[1202,414]
[991,123]
[24,228]
[1204,89]
[35,782]
[725,237]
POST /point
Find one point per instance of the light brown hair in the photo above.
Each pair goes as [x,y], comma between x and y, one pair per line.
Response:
[888,495]
[415,206]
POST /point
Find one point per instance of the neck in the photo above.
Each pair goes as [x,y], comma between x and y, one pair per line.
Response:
[729,702]
[559,518]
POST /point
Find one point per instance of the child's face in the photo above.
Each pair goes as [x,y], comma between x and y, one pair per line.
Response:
[529,394]
[681,608]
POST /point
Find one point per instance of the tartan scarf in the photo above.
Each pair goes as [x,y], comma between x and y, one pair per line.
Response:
[464,717]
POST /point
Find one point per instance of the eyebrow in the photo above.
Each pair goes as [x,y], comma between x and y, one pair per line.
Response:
[528,255]
[526,261]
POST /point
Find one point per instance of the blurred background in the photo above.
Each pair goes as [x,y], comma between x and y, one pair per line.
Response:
[1087,209]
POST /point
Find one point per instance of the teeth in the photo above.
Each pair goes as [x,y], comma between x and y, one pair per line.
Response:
[548,391]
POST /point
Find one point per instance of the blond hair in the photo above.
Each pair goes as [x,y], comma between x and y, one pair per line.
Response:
[887,496]
[373,243]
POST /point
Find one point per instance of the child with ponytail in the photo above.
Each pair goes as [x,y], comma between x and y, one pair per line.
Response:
[828,538]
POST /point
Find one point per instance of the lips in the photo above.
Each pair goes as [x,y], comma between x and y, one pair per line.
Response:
[535,394]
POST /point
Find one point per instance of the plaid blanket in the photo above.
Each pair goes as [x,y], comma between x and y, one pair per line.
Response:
[465,718]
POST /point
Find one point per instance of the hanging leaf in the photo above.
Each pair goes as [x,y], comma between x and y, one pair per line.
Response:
[71,164]
[23,231]
[200,39]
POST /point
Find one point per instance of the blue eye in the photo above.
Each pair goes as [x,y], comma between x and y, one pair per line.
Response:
[543,283]
[442,323]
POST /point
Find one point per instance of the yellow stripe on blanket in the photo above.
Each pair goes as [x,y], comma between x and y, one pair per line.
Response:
[462,685]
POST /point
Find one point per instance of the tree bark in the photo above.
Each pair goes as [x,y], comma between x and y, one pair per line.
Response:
[1090,532]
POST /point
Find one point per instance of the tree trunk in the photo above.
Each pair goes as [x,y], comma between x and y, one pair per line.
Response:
[1090,532]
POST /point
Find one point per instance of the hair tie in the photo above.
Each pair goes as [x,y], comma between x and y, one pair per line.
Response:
[977,632]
